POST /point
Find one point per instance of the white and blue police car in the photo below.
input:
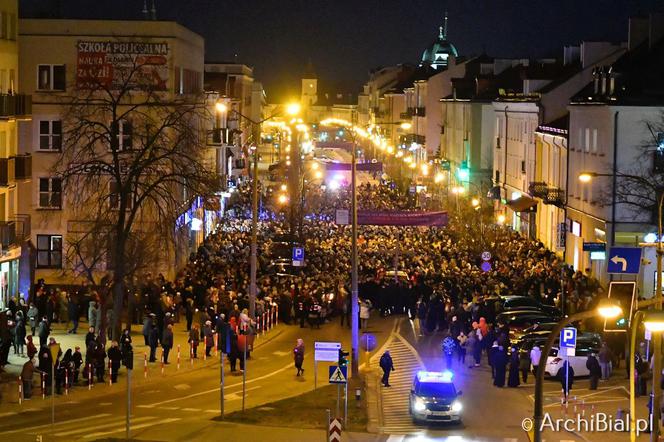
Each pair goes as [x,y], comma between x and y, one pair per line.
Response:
[433,398]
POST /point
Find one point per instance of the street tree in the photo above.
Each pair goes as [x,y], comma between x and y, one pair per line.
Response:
[132,162]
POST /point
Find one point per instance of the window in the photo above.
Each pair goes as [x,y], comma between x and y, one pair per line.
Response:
[594,146]
[587,143]
[122,132]
[50,193]
[50,135]
[49,251]
[51,77]
[114,197]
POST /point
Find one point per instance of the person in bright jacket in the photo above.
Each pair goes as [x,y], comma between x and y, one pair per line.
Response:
[298,356]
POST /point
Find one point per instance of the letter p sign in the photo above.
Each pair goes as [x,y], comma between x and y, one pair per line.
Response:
[568,338]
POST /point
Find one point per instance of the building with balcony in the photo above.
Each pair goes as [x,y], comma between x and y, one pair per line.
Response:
[59,58]
[14,167]
[616,130]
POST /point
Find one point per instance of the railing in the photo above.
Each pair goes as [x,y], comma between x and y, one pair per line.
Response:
[538,189]
[555,196]
[23,227]
[7,234]
[15,105]
[23,167]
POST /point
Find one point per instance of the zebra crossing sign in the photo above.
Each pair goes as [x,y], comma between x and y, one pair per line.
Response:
[338,375]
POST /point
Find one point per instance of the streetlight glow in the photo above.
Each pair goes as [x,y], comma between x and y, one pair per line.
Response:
[220,107]
[283,187]
[475,202]
[282,199]
[612,311]
[319,174]
[406,125]
[501,219]
[314,166]
[293,109]
[585,177]
[653,320]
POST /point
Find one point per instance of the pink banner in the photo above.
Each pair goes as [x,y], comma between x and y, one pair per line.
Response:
[394,218]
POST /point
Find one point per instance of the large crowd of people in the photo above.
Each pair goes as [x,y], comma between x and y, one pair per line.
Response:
[431,274]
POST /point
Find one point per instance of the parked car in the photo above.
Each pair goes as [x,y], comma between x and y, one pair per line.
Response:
[511,303]
[585,345]
[519,320]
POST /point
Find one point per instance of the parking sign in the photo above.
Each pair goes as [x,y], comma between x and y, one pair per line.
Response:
[568,337]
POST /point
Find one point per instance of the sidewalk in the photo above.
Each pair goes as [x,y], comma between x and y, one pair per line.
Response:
[153,371]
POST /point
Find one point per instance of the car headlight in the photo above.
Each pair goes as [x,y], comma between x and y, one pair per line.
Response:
[419,405]
[457,406]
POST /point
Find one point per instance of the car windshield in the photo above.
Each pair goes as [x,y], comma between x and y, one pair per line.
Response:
[436,389]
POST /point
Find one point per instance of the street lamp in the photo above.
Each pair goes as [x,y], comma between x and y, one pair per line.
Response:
[607,309]
[282,199]
[500,219]
[653,321]
[475,202]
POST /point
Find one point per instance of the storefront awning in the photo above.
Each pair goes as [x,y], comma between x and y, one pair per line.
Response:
[523,204]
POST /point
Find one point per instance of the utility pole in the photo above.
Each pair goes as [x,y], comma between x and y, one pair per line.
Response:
[254,224]
[355,317]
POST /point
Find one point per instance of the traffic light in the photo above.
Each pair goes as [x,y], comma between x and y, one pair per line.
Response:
[342,358]
[463,172]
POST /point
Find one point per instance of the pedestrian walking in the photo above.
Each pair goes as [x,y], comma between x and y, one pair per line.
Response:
[27,373]
[515,365]
[115,357]
[449,345]
[30,349]
[72,313]
[90,336]
[566,374]
[499,361]
[19,333]
[77,361]
[605,356]
[43,331]
[594,369]
[33,314]
[365,313]
[298,356]
[167,341]
[387,366]
[153,340]
[208,336]
[125,341]
[99,360]
[524,365]
[461,347]
[491,357]
[194,339]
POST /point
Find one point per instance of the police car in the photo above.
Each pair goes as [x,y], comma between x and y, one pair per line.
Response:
[433,397]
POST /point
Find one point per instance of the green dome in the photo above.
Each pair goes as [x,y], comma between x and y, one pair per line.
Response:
[438,54]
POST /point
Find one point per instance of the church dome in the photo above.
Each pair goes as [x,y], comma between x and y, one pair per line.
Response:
[437,55]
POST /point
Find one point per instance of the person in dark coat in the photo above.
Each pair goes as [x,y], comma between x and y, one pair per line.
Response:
[19,333]
[43,331]
[77,360]
[298,356]
[153,340]
[499,366]
[592,364]
[235,352]
[46,366]
[72,313]
[515,363]
[492,356]
[387,365]
[524,365]
[125,341]
[90,336]
[115,356]
[167,342]
[147,326]
[566,374]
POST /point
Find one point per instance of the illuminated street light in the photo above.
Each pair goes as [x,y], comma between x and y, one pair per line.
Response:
[412,165]
[293,109]
[314,166]
[283,187]
[458,190]
[586,177]
[439,177]
[282,199]
[475,202]
[319,174]
[406,125]
[501,219]
[425,169]
[220,107]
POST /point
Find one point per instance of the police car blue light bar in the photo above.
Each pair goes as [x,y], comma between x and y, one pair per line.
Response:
[435,376]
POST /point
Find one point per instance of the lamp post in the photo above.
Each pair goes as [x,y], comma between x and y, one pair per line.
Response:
[292,109]
[654,322]
[586,177]
[606,309]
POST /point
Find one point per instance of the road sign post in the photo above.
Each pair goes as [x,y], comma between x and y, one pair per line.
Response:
[568,344]
[324,352]
[298,256]
[334,430]
[624,260]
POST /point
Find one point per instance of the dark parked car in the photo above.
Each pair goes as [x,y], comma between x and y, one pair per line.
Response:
[519,320]
[511,303]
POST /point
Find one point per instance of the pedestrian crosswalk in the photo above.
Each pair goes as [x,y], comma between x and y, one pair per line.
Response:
[394,400]
[89,428]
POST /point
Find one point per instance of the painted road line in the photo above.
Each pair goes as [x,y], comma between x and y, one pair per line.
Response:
[133,427]
[195,410]
[114,423]
[70,421]
[8,413]
[214,390]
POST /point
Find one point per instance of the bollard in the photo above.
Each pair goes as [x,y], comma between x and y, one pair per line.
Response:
[43,385]
[205,348]
[178,356]
[583,407]
[20,390]
[216,342]
[66,382]
[145,365]
[162,362]
[110,373]
[263,322]
[269,320]
[276,314]
[191,353]
[89,376]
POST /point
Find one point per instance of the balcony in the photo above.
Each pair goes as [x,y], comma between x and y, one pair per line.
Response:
[420,111]
[8,234]
[407,115]
[538,189]
[15,105]
[22,222]
[555,196]
[23,167]
[6,171]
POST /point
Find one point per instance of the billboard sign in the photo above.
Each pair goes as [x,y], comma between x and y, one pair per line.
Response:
[112,64]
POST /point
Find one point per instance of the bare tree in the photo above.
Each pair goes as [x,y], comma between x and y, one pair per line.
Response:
[132,162]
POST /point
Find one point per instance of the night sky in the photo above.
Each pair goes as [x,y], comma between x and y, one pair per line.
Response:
[346,38]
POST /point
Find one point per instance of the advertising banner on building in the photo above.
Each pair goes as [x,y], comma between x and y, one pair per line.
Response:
[360,167]
[394,218]
[112,64]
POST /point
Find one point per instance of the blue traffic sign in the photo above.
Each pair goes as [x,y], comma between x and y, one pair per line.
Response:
[625,260]
[338,374]
[298,253]
[568,337]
